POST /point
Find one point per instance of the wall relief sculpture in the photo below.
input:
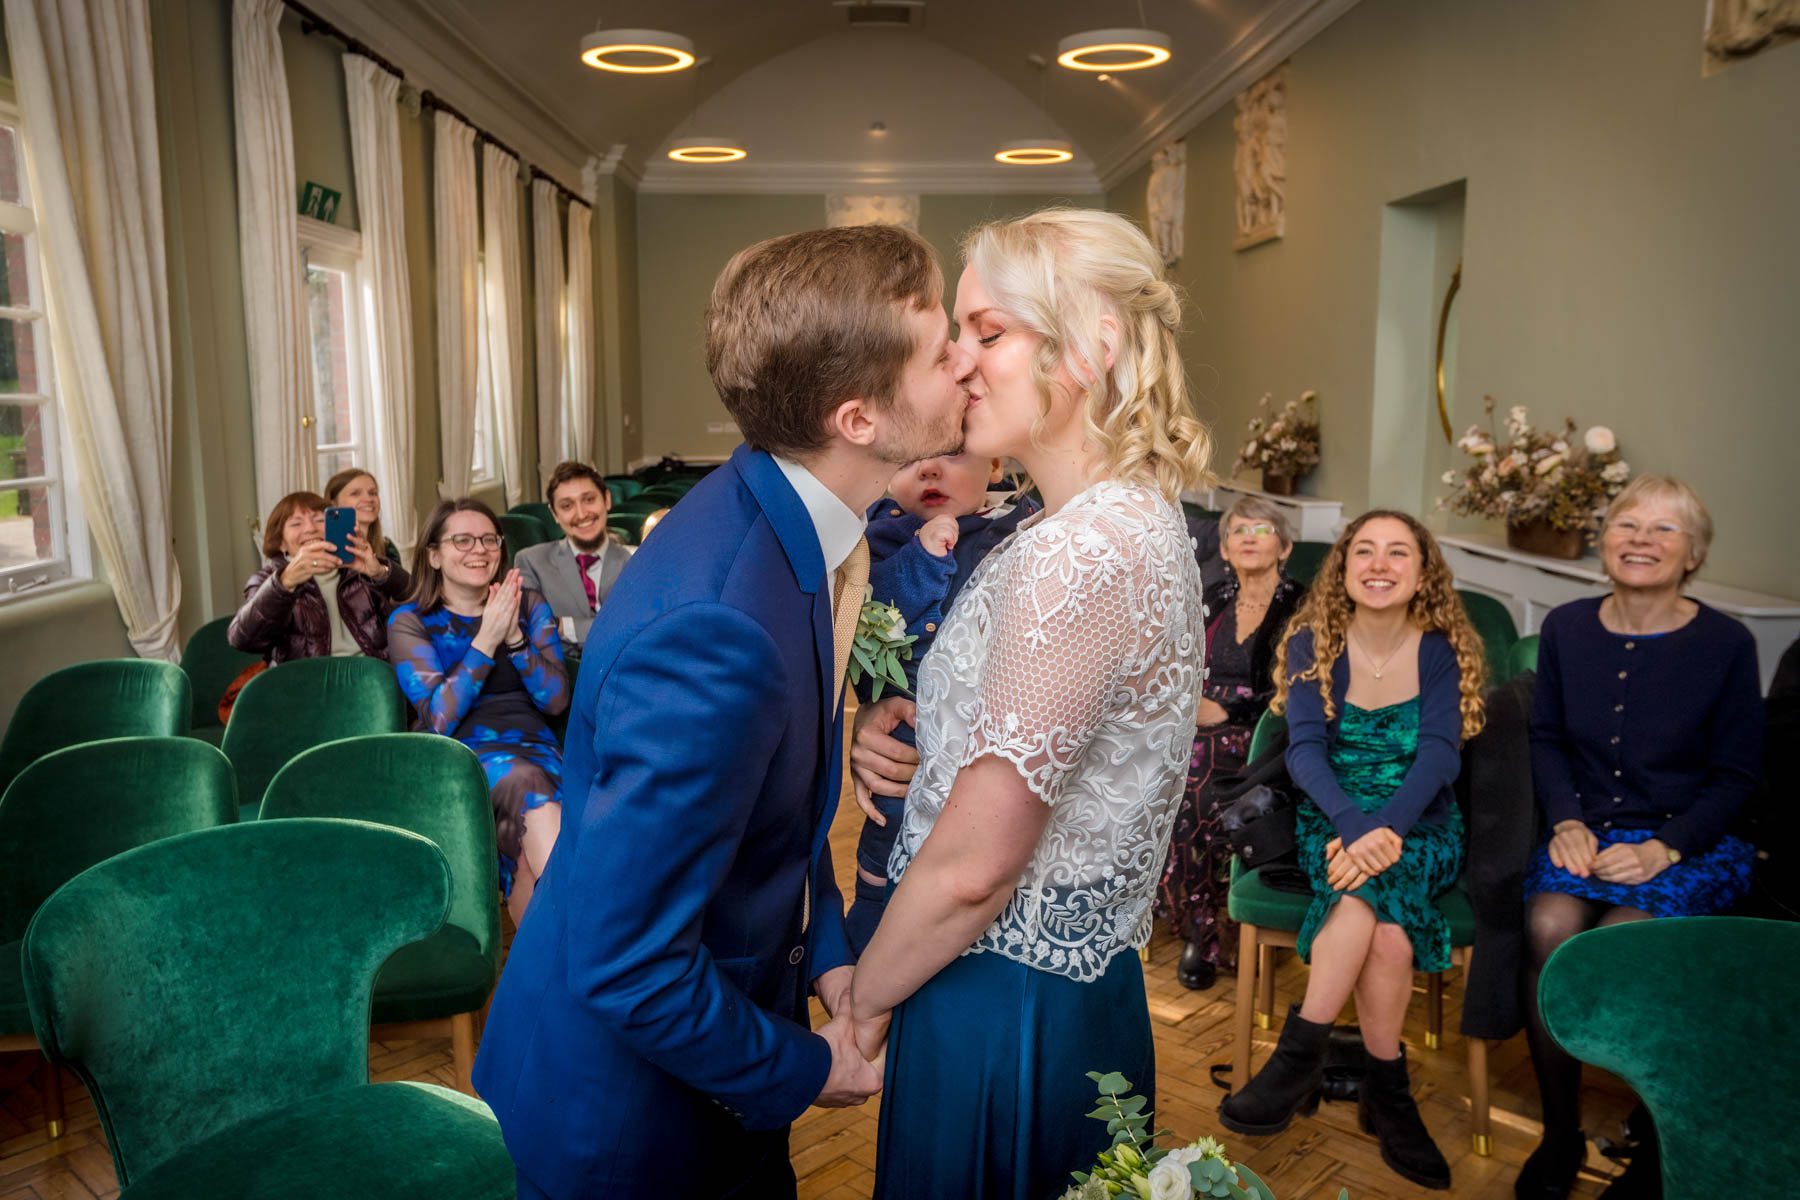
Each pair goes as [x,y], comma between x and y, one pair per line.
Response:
[1167,200]
[1260,162]
[1737,29]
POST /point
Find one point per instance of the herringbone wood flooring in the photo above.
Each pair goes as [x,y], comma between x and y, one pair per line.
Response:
[834,1150]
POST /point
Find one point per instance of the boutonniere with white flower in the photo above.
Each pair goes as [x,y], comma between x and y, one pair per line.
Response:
[881,644]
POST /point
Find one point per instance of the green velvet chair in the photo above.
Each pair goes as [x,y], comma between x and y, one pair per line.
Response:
[639,504]
[1270,919]
[302,704]
[623,487]
[109,698]
[1697,1015]
[522,532]
[433,786]
[1303,563]
[664,493]
[1494,622]
[543,514]
[75,807]
[628,525]
[230,1057]
[1523,656]
[211,663]
[1199,511]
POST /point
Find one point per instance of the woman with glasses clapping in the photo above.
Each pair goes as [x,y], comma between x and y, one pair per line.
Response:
[480,660]
[1246,614]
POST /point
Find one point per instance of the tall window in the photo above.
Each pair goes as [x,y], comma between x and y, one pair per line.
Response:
[41,536]
[335,304]
[482,456]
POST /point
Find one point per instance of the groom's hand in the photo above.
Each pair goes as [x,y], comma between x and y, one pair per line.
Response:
[853,1079]
[880,763]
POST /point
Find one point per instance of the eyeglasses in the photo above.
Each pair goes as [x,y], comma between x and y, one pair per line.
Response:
[465,542]
[1252,530]
[1662,531]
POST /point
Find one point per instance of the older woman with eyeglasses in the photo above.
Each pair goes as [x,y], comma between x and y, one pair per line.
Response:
[1646,739]
[1246,614]
[480,659]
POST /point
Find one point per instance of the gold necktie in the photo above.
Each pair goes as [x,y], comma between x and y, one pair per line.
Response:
[851,581]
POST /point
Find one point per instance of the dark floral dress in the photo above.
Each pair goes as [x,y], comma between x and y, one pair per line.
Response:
[494,706]
[1239,678]
[1373,751]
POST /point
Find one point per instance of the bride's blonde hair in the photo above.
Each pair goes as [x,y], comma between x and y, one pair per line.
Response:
[1058,272]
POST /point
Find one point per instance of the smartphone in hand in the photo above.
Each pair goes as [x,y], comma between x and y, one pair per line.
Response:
[340,523]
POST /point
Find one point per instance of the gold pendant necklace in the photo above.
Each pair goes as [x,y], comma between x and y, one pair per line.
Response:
[1376,667]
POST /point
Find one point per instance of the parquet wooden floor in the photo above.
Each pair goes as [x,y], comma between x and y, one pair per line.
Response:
[834,1150]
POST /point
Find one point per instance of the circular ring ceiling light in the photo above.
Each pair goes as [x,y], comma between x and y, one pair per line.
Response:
[1113,50]
[1034,152]
[707,150]
[637,51]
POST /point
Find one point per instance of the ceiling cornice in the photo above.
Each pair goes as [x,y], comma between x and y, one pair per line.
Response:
[424,42]
[1281,31]
[803,177]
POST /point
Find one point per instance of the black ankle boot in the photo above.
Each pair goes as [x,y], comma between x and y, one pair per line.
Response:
[1549,1173]
[1386,1109]
[1642,1179]
[1193,971]
[1287,1084]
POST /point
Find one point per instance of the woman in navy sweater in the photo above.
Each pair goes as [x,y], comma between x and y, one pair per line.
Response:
[1646,739]
[1381,681]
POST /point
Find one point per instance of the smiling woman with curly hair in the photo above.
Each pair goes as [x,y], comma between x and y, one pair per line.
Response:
[1381,678]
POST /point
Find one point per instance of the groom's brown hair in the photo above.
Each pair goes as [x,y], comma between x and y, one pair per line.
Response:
[799,324]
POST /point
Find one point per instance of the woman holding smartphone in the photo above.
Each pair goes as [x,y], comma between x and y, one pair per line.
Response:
[357,490]
[480,659]
[305,601]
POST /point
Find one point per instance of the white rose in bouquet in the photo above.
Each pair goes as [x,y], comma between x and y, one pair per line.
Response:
[1599,440]
[1616,472]
[1169,1180]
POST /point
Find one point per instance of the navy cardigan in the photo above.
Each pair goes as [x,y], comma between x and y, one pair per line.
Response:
[1661,732]
[1426,794]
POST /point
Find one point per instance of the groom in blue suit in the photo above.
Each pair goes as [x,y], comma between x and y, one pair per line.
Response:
[649,1034]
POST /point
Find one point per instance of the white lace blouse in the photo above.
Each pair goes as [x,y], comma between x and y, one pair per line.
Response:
[1075,652]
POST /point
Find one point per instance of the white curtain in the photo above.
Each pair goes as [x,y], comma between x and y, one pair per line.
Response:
[505,294]
[274,285]
[547,290]
[83,74]
[458,298]
[374,96]
[578,371]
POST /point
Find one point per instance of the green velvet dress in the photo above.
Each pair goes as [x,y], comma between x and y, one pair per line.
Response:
[1370,756]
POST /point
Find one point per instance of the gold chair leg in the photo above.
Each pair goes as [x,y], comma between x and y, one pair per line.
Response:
[1480,1119]
[1434,1010]
[1265,987]
[462,1051]
[54,1116]
[1246,995]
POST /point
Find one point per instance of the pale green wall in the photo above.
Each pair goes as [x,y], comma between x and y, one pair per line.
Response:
[683,241]
[1630,252]
[619,433]
[321,112]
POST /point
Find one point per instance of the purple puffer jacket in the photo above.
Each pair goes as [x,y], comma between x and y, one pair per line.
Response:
[283,625]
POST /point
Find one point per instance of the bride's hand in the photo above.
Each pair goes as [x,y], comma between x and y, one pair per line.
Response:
[871,1038]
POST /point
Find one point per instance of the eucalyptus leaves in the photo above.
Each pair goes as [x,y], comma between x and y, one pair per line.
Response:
[880,646]
[1136,1168]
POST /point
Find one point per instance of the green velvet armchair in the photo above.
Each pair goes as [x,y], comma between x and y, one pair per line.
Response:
[229,1057]
[108,698]
[433,786]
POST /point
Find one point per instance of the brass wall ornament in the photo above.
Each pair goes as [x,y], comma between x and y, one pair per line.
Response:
[1443,331]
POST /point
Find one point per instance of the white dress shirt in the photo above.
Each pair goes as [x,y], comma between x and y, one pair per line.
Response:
[838,526]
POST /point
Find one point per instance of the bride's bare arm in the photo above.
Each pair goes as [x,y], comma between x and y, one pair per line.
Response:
[955,886]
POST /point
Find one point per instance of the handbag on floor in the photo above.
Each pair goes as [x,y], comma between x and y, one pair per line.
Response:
[1256,814]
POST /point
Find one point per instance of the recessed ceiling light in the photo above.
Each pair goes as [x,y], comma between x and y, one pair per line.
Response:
[1034,152]
[1113,50]
[707,150]
[637,51]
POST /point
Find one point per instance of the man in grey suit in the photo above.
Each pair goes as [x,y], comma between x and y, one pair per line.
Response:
[575,573]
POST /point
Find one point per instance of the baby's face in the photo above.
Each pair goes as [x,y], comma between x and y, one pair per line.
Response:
[953,485]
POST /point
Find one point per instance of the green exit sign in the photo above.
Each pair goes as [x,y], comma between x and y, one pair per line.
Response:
[319,202]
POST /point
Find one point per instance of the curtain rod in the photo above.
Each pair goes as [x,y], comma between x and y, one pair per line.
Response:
[312,23]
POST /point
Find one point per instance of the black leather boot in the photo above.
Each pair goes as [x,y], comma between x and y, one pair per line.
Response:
[1287,1084]
[1549,1173]
[1386,1109]
[1193,971]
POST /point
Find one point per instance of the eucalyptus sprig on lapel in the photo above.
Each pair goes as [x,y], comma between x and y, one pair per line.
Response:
[881,644]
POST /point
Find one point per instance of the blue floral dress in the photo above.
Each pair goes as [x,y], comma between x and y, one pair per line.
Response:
[494,706]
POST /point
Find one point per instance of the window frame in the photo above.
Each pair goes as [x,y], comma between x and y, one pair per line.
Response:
[71,556]
[333,248]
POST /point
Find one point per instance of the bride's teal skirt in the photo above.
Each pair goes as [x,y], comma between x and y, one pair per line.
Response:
[987,1094]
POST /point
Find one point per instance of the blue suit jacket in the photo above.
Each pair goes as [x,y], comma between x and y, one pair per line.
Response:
[653,1006]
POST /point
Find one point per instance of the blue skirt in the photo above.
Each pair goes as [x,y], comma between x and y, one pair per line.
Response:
[1697,886]
[987,1093]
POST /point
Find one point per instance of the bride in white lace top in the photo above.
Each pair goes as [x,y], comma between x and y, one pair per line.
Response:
[1055,721]
[1074,652]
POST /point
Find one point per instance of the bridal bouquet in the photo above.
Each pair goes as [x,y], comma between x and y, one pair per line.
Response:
[880,646]
[1536,475]
[1136,1168]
